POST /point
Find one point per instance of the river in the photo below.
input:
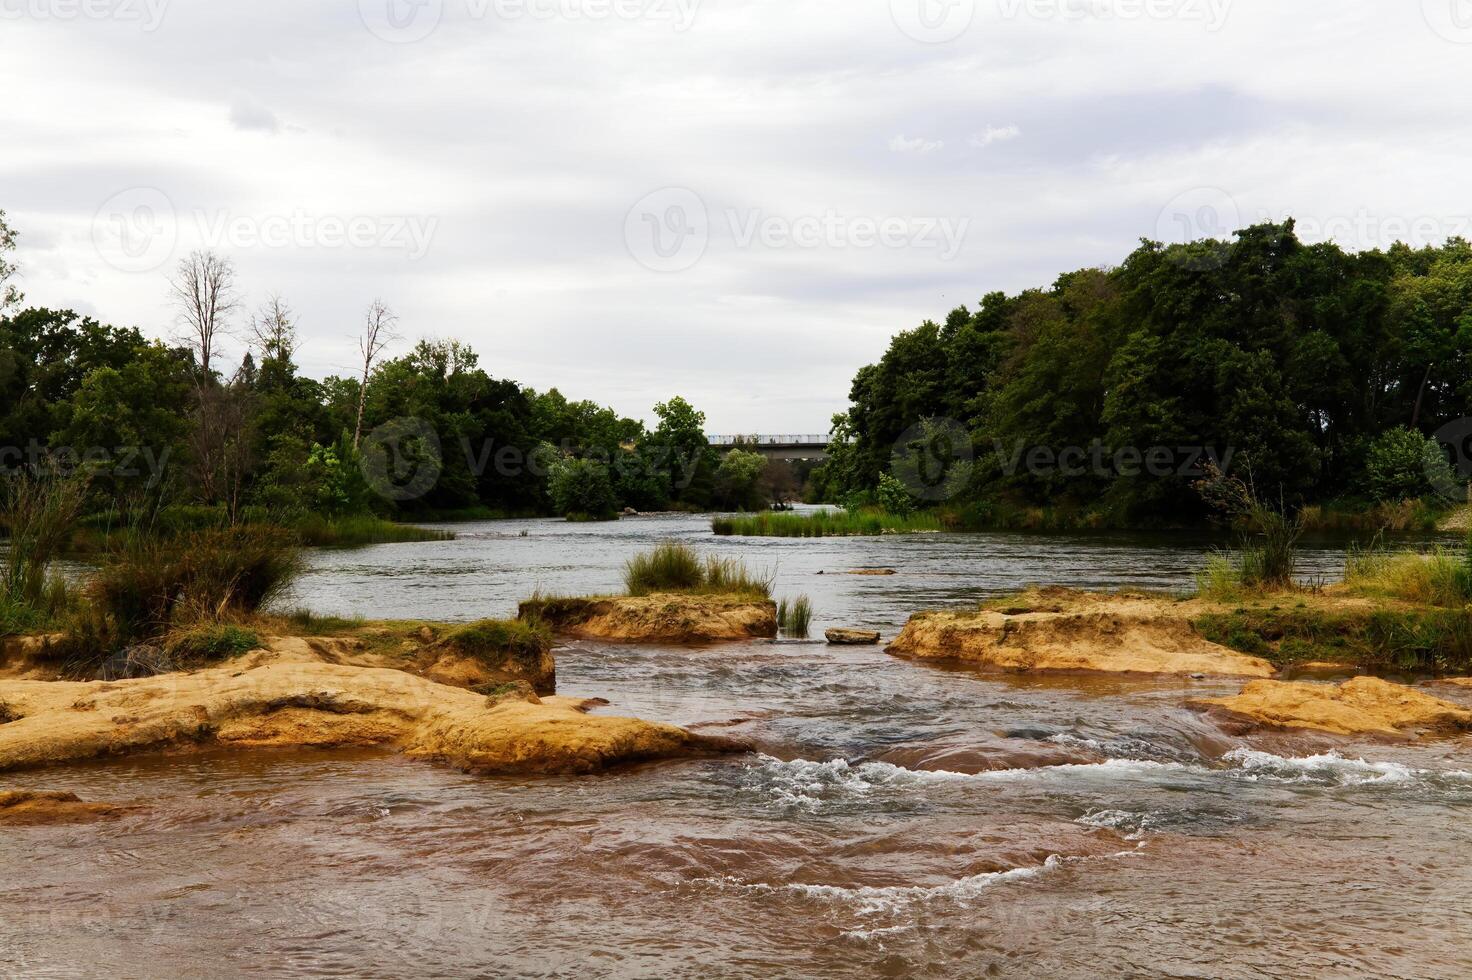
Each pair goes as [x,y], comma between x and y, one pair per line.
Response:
[854,843]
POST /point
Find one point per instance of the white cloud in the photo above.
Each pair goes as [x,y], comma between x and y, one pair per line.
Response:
[995,134]
[526,142]
[899,144]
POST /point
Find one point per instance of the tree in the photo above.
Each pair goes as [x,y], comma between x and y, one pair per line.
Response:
[736,480]
[204,293]
[378,333]
[273,330]
[581,488]
[10,295]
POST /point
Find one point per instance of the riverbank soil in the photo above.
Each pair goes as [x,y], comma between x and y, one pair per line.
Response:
[660,618]
[324,693]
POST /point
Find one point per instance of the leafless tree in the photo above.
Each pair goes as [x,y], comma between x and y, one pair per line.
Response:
[378,333]
[273,330]
[204,291]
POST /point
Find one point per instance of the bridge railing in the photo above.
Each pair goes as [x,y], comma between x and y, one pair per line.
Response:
[766,440]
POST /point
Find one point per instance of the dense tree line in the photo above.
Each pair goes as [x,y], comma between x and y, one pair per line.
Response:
[1315,373]
[429,431]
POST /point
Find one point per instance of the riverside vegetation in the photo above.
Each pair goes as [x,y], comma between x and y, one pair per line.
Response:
[672,595]
[1324,371]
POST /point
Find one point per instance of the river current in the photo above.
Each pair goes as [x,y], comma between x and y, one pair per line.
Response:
[864,838]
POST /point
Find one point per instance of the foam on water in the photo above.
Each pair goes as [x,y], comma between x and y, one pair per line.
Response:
[1333,769]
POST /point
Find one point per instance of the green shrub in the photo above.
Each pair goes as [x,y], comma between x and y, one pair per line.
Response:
[582,487]
[492,640]
[152,585]
[1403,464]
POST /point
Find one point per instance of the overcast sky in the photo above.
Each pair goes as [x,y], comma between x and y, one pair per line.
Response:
[734,200]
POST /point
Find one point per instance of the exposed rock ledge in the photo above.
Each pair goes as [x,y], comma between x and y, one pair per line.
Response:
[27,808]
[671,618]
[1360,706]
[1075,632]
[285,703]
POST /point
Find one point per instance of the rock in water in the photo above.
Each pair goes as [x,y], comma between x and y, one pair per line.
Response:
[1364,705]
[852,638]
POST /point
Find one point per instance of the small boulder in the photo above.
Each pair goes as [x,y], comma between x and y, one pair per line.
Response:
[630,512]
[852,638]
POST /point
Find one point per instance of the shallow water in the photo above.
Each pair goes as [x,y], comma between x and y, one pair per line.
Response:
[1166,848]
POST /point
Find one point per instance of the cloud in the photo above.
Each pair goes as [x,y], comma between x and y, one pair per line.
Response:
[247,115]
[995,134]
[899,144]
[527,141]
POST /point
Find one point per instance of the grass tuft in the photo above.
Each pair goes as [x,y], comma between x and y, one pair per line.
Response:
[794,618]
[675,567]
[868,521]
[493,640]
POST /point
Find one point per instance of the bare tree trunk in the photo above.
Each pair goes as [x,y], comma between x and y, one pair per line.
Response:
[378,332]
[1421,394]
[204,291]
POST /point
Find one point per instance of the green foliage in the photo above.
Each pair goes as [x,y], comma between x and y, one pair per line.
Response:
[1439,578]
[494,640]
[9,292]
[826,524]
[38,514]
[737,480]
[1402,464]
[893,496]
[210,642]
[582,488]
[1295,358]
[153,585]
[675,567]
[350,532]
[1438,640]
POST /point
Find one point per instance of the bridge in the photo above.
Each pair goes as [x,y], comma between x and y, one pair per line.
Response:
[777,447]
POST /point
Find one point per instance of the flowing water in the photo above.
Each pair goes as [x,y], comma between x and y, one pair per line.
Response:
[867,837]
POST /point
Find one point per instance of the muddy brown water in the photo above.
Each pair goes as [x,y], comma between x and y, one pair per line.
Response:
[1164,847]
